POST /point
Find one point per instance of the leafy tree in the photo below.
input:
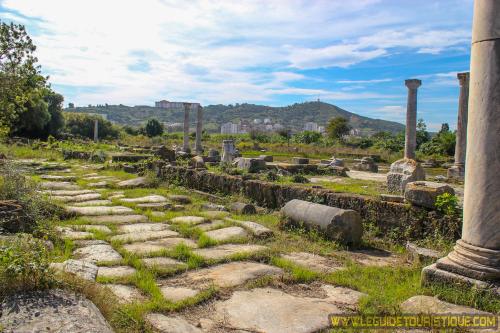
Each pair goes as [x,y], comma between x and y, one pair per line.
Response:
[338,127]
[307,137]
[153,128]
[422,134]
[71,105]
[441,144]
[81,124]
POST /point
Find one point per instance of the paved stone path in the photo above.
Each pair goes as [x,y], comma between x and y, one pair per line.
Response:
[116,237]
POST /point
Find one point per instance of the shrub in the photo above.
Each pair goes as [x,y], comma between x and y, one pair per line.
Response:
[447,204]
[299,179]
[24,265]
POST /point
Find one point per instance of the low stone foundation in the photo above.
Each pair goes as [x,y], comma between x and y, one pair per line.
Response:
[394,220]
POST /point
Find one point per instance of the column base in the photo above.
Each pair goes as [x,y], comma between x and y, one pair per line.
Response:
[467,264]
[457,172]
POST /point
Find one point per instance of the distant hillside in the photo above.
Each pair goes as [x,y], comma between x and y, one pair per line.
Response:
[292,116]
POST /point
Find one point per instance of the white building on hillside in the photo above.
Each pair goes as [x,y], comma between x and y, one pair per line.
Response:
[311,126]
[229,128]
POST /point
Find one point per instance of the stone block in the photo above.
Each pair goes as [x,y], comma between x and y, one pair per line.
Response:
[300,160]
[421,254]
[366,164]
[243,208]
[337,224]
[403,172]
[251,164]
[424,194]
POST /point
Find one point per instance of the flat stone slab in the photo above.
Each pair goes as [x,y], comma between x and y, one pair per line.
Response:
[90,227]
[230,275]
[59,186]
[144,235]
[182,199]
[68,178]
[216,224]
[143,248]
[92,203]
[163,262]
[313,262]
[98,184]
[155,205]
[164,324]
[142,227]
[77,198]
[191,220]
[96,253]
[69,233]
[115,271]
[100,210]
[51,310]
[226,234]
[228,250]
[422,254]
[135,182]
[178,294]
[67,192]
[83,269]
[147,199]
[273,311]
[373,257]
[256,229]
[88,242]
[116,196]
[214,214]
[117,219]
[125,293]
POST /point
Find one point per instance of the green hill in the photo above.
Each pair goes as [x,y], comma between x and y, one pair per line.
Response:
[292,116]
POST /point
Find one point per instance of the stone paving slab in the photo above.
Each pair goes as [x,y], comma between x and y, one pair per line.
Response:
[178,294]
[142,227]
[90,227]
[182,199]
[228,250]
[101,184]
[67,192]
[125,293]
[164,324]
[115,271]
[226,234]
[100,210]
[163,263]
[67,232]
[77,198]
[53,310]
[116,196]
[134,182]
[155,205]
[144,248]
[96,253]
[378,258]
[226,275]
[313,262]
[216,224]
[258,230]
[88,242]
[93,203]
[59,186]
[146,199]
[83,269]
[144,235]
[68,178]
[214,214]
[117,219]
[273,311]
[190,220]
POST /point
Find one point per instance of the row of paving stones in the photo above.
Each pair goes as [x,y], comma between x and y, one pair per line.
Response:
[302,308]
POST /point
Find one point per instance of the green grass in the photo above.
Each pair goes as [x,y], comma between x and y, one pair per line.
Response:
[298,273]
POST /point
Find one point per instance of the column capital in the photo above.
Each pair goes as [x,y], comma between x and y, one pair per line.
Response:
[463,78]
[413,83]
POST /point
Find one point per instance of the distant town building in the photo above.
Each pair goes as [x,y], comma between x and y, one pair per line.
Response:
[267,121]
[257,121]
[229,128]
[311,126]
[355,132]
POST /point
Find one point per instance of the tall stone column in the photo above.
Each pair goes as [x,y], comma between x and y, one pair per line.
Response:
[96,130]
[457,171]
[185,145]
[411,118]
[476,256]
[199,130]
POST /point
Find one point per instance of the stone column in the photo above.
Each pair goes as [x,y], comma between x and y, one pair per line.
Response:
[227,151]
[96,130]
[411,118]
[185,145]
[476,256]
[457,171]
[199,130]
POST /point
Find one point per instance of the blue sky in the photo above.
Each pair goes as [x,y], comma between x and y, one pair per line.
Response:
[354,54]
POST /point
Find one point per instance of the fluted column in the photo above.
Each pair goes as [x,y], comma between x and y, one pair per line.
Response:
[96,130]
[185,145]
[411,118]
[457,171]
[199,130]
[476,256]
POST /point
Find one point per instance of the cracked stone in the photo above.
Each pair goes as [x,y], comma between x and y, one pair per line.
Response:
[142,227]
[117,219]
[96,253]
[115,271]
[100,210]
[226,234]
[164,324]
[144,235]
[143,248]
[191,220]
[178,294]
[313,262]
[146,199]
[228,250]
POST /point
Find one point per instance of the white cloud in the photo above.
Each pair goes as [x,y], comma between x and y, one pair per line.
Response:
[217,51]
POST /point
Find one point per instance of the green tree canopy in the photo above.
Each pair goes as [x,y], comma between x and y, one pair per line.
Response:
[153,128]
[338,127]
[81,124]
